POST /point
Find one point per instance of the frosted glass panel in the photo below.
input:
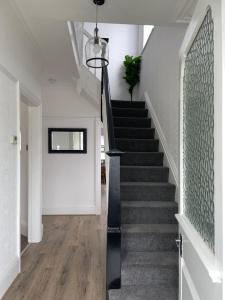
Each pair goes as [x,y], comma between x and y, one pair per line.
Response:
[198,132]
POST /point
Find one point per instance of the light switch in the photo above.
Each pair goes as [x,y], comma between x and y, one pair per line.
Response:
[13,140]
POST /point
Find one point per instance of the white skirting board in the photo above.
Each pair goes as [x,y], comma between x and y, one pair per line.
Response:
[75,210]
[168,159]
[8,274]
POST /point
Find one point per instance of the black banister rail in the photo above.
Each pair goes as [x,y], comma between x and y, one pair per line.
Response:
[113,272]
[106,89]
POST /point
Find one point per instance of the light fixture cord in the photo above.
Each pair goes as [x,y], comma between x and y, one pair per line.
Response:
[96,27]
[96,15]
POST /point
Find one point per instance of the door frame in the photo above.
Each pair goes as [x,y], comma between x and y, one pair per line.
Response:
[213,263]
[35,227]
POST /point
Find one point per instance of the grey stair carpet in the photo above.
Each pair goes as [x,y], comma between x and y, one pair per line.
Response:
[135,133]
[132,122]
[147,191]
[142,159]
[144,173]
[135,145]
[130,112]
[128,104]
[149,269]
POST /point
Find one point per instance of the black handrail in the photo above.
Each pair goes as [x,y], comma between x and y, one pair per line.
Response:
[106,89]
[114,205]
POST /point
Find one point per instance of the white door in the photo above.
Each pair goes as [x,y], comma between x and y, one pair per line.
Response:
[9,181]
[201,171]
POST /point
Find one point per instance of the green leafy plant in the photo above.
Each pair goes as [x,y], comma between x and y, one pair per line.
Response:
[132,72]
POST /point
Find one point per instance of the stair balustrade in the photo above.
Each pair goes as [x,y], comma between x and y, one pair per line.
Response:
[92,76]
[113,272]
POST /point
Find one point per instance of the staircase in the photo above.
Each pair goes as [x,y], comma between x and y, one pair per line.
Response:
[149,228]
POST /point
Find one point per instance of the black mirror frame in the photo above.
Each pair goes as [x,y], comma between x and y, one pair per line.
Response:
[50,150]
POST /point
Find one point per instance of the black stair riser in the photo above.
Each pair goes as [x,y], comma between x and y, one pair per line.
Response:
[134,133]
[129,145]
[132,122]
[157,174]
[147,193]
[146,215]
[129,112]
[128,104]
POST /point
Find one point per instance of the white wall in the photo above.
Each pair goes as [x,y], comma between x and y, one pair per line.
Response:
[70,183]
[19,61]
[160,85]
[24,168]
[123,40]
[9,182]
[62,99]
[18,52]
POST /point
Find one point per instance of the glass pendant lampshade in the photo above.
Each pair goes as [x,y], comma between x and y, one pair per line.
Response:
[96,49]
[97,53]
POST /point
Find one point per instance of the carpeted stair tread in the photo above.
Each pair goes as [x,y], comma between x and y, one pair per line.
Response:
[147,191]
[149,228]
[132,122]
[148,212]
[147,268]
[135,133]
[150,258]
[146,167]
[126,104]
[150,184]
[144,173]
[130,112]
[144,293]
[149,237]
[142,158]
[149,204]
[137,145]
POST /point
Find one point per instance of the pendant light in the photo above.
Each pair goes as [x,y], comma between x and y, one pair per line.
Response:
[96,49]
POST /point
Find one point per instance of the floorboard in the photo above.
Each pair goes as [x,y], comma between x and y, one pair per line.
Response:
[69,264]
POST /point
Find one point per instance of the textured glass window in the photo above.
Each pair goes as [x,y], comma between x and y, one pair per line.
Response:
[198,132]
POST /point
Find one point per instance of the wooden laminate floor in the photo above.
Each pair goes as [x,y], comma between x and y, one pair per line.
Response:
[69,264]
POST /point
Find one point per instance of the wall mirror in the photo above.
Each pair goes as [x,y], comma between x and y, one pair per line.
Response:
[67,140]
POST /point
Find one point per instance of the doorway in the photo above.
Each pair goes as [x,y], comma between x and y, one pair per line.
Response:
[24,167]
[30,114]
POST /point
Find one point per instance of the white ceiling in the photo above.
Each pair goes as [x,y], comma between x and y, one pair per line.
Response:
[154,12]
[46,19]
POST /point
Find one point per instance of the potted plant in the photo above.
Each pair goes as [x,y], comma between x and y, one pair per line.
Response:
[132,72]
